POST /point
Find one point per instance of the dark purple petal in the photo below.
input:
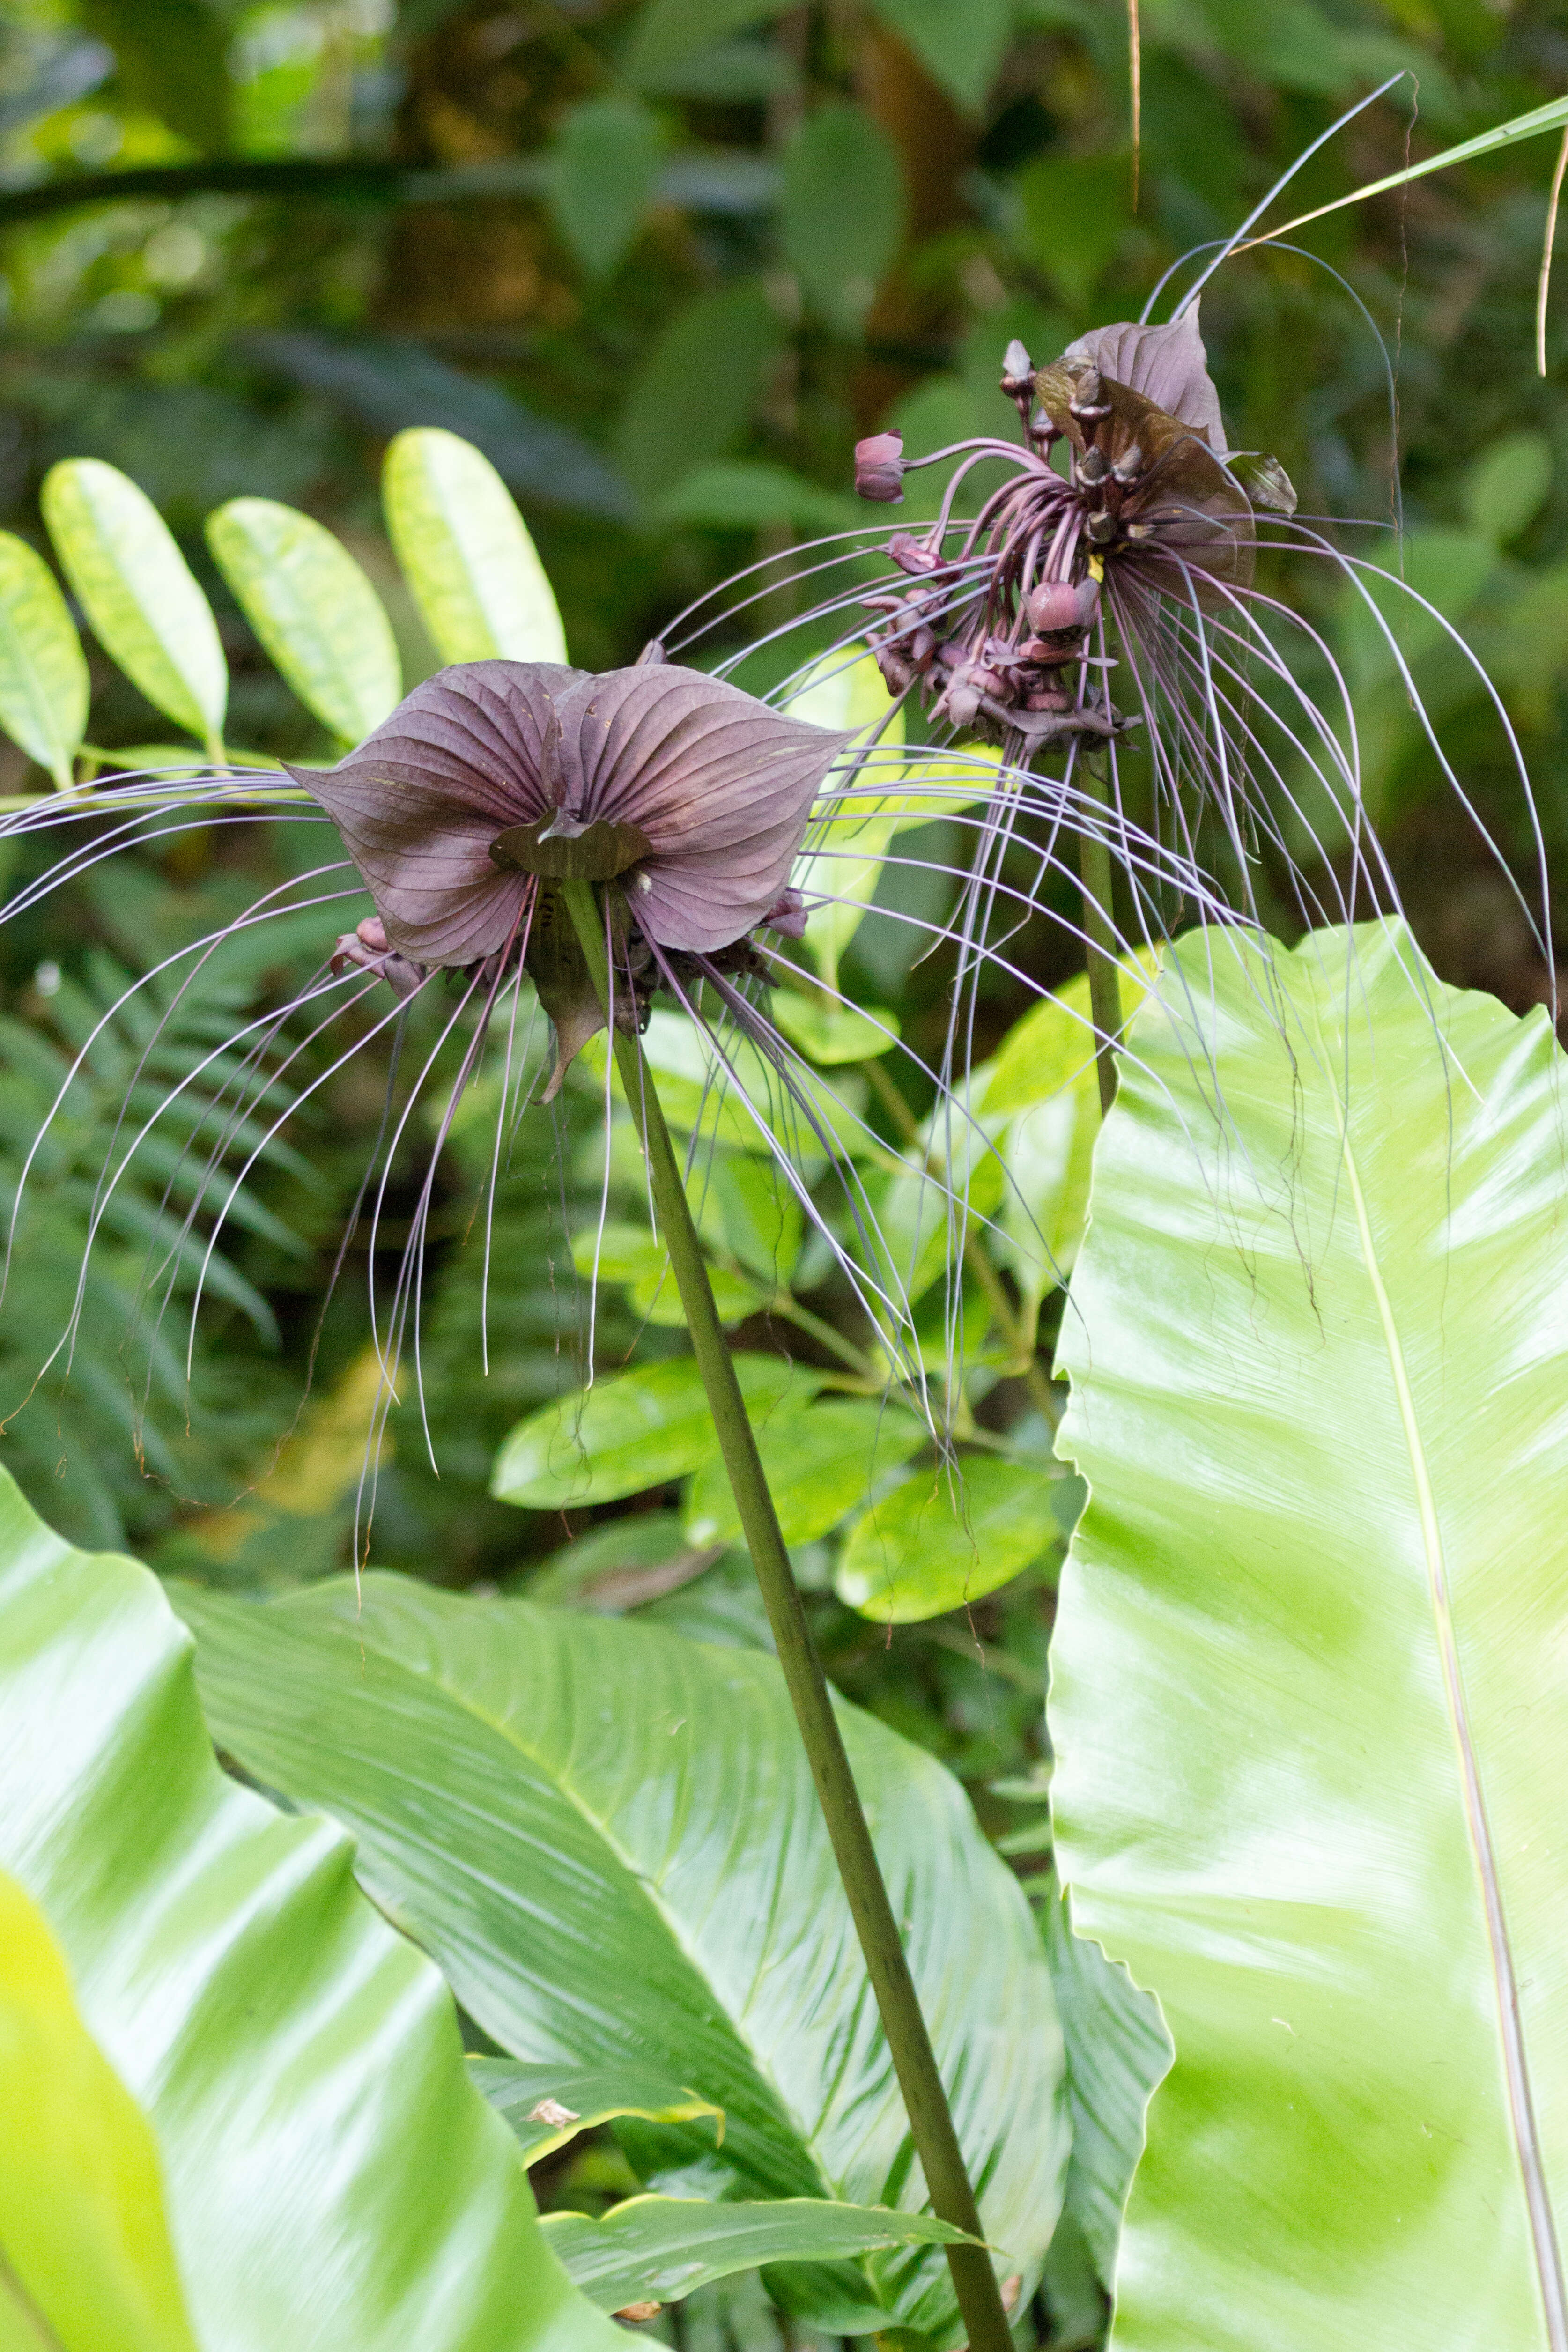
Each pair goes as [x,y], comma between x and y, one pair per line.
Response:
[419,802]
[1167,365]
[721,786]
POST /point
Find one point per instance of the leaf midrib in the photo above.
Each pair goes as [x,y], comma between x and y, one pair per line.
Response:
[1522,2109]
[558,1780]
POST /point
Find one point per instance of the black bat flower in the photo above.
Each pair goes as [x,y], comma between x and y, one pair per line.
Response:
[495,780]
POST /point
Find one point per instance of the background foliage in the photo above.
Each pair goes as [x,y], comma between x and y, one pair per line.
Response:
[663,264]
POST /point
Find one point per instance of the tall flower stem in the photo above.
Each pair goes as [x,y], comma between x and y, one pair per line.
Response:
[931,2118]
[1099,936]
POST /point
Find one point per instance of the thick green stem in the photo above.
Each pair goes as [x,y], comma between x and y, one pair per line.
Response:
[1099,936]
[931,2118]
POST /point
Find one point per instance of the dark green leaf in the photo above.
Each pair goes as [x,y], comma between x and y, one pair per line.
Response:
[696,391]
[843,213]
[961,48]
[604,167]
[173,60]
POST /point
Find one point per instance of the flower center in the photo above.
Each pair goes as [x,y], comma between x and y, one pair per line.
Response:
[562,848]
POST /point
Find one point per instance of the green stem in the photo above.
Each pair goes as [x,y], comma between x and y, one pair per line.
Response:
[931,2118]
[1100,933]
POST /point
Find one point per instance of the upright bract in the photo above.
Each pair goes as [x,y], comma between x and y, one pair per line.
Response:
[1308,1699]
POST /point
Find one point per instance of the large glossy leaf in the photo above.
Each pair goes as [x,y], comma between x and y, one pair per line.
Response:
[1308,1698]
[465,552]
[137,591]
[43,670]
[314,609]
[819,1465]
[660,2248]
[332,2178]
[608,1837]
[84,2242]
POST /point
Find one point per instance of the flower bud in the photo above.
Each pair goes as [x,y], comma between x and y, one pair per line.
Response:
[1056,607]
[910,555]
[787,915]
[1017,371]
[880,468]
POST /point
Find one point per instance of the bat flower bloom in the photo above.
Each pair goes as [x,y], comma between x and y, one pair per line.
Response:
[496,781]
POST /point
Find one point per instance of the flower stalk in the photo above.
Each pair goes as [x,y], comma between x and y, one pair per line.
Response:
[908,2039]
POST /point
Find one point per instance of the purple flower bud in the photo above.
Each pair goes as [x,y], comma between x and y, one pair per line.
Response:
[911,555]
[787,915]
[1056,607]
[880,468]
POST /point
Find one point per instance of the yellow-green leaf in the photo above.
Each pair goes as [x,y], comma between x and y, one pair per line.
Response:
[314,609]
[83,2235]
[943,1538]
[138,593]
[43,670]
[465,553]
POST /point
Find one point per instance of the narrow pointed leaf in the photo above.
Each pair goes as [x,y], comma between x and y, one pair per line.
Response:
[314,611]
[609,1838]
[1307,1695]
[331,2175]
[465,552]
[659,2249]
[82,2228]
[43,670]
[137,591]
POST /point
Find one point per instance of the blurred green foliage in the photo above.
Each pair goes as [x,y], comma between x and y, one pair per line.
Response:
[662,264]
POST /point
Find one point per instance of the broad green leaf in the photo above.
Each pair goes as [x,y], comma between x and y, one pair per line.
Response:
[609,1838]
[843,865]
[465,552]
[329,2175]
[43,670]
[83,2234]
[637,1430]
[1116,2051]
[695,393]
[602,170]
[630,1254]
[819,1463]
[668,29]
[548,2105]
[659,2249]
[137,592]
[1505,488]
[960,48]
[314,611]
[842,217]
[1076,209]
[1307,1699]
[172,60]
[617,1566]
[944,1537]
